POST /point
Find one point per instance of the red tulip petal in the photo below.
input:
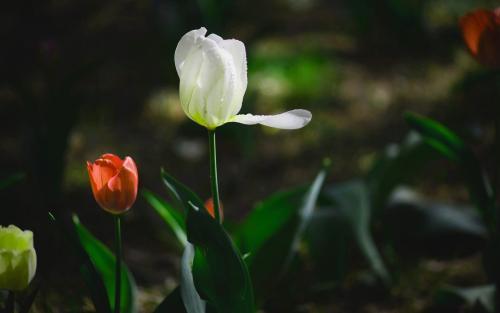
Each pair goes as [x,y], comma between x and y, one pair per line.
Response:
[123,187]
[129,164]
[473,25]
[93,185]
[117,162]
[104,170]
[109,200]
[481,32]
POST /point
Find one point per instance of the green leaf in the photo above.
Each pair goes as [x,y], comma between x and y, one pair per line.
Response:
[398,164]
[438,136]
[220,275]
[104,261]
[451,146]
[272,232]
[219,272]
[11,180]
[192,300]
[172,303]
[329,241]
[421,226]
[92,277]
[181,193]
[472,297]
[351,201]
[169,214]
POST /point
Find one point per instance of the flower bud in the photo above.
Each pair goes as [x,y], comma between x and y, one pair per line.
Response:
[114,182]
[17,258]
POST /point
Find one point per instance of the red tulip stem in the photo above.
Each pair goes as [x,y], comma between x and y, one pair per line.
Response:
[118,259]
[213,174]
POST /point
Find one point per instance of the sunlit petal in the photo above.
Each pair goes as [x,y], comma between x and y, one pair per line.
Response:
[293,119]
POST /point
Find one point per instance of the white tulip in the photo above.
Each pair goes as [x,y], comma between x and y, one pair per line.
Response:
[213,81]
[17,258]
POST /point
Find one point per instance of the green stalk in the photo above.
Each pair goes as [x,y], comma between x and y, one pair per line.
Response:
[213,174]
[118,253]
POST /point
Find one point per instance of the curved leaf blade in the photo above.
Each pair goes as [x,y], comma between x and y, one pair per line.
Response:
[181,193]
[351,201]
[451,146]
[271,234]
[11,180]
[218,270]
[104,261]
[170,215]
[219,273]
[192,300]
[437,135]
[92,277]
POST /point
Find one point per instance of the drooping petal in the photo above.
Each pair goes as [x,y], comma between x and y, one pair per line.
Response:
[186,45]
[293,119]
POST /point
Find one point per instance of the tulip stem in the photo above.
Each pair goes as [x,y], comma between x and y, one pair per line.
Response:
[118,276]
[213,174]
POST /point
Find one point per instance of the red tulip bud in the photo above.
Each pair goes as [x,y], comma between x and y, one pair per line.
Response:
[481,32]
[114,182]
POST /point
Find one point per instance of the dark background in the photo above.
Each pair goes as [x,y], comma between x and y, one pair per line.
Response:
[82,78]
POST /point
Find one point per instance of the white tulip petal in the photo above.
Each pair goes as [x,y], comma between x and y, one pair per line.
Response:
[237,50]
[220,87]
[293,119]
[186,45]
[218,39]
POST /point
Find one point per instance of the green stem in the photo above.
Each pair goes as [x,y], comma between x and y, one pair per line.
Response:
[10,303]
[213,174]
[118,253]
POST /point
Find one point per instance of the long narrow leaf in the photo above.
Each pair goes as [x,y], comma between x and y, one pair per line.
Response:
[351,201]
[192,301]
[180,192]
[11,180]
[170,215]
[219,273]
[451,146]
[104,262]
[231,291]
[91,276]
[272,232]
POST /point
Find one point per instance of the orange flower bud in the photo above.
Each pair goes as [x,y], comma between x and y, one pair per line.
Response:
[114,182]
[209,205]
[481,32]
